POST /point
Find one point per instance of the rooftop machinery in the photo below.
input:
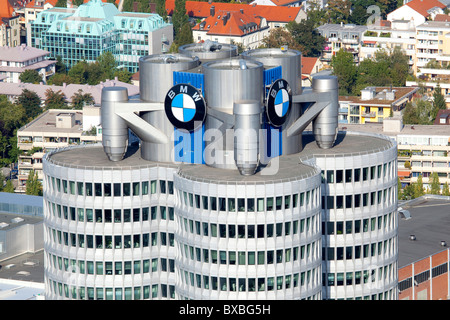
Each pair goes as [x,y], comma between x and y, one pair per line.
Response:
[209,105]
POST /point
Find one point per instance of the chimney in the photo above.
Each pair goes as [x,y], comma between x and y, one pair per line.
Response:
[224,19]
[212,11]
[241,10]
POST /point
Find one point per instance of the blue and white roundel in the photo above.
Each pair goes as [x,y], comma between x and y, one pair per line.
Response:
[183,107]
[282,102]
[278,103]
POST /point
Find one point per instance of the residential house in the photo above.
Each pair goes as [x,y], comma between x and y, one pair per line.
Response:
[374,105]
[15,60]
[341,36]
[9,25]
[275,16]
[232,27]
[310,66]
[417,11]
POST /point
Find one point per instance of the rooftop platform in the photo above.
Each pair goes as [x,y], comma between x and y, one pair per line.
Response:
[290,166]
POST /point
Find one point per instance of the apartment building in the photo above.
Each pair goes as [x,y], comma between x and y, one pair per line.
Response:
[341,36]
[374,105]
[388,35]
[55,128]
[15,60]
[422,149]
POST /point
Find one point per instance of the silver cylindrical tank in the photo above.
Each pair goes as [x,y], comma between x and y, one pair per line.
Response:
[114,128]
[325,125]
[291,68]
[228,81]
[209,50]
[247,123]
[155,80]
[290,61]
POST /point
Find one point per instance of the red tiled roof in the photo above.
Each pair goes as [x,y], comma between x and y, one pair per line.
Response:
[6,9]
[308,64]
[422,6]
[236,24]
[442,17]
[201,9]
[32,3]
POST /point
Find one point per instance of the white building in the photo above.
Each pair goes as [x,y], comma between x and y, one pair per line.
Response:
[54,129]
[232,27]
[417,11]
[15,60]
[388,35]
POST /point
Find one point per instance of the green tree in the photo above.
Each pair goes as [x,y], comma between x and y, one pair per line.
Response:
[31,102]
[58,79]
[9,187]
[60,66]
[33,185]
[338,11]
[161,9]
[30,76]
[435,184]
[304,33]
[410,114]
[185,35]
[179,16]
[55,100]
[123,75]
[438,99]
[418,188]
[316,14]
[280,37]
[61,4]
[345,70]
[80,99]
[106,65]
[446,190]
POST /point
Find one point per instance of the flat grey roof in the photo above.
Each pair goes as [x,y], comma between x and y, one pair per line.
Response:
[290,165]
[430,223]
[93,156]
[10,220]
[47,123]
[434,130]
[25,267]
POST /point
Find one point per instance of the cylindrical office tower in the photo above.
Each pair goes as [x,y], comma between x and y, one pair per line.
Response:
[359,216]
[248,237]
[155,80]
[226,82]
[291,69]
[109,227]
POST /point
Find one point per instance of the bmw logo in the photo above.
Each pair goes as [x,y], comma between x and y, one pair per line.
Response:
[279,102]
[185,107]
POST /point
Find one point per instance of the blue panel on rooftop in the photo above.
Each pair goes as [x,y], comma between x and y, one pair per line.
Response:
[189,146]
[274,134]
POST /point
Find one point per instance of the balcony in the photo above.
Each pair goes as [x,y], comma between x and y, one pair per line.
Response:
[369,115]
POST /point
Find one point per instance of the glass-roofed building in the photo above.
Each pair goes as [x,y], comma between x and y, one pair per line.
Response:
[96,27]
